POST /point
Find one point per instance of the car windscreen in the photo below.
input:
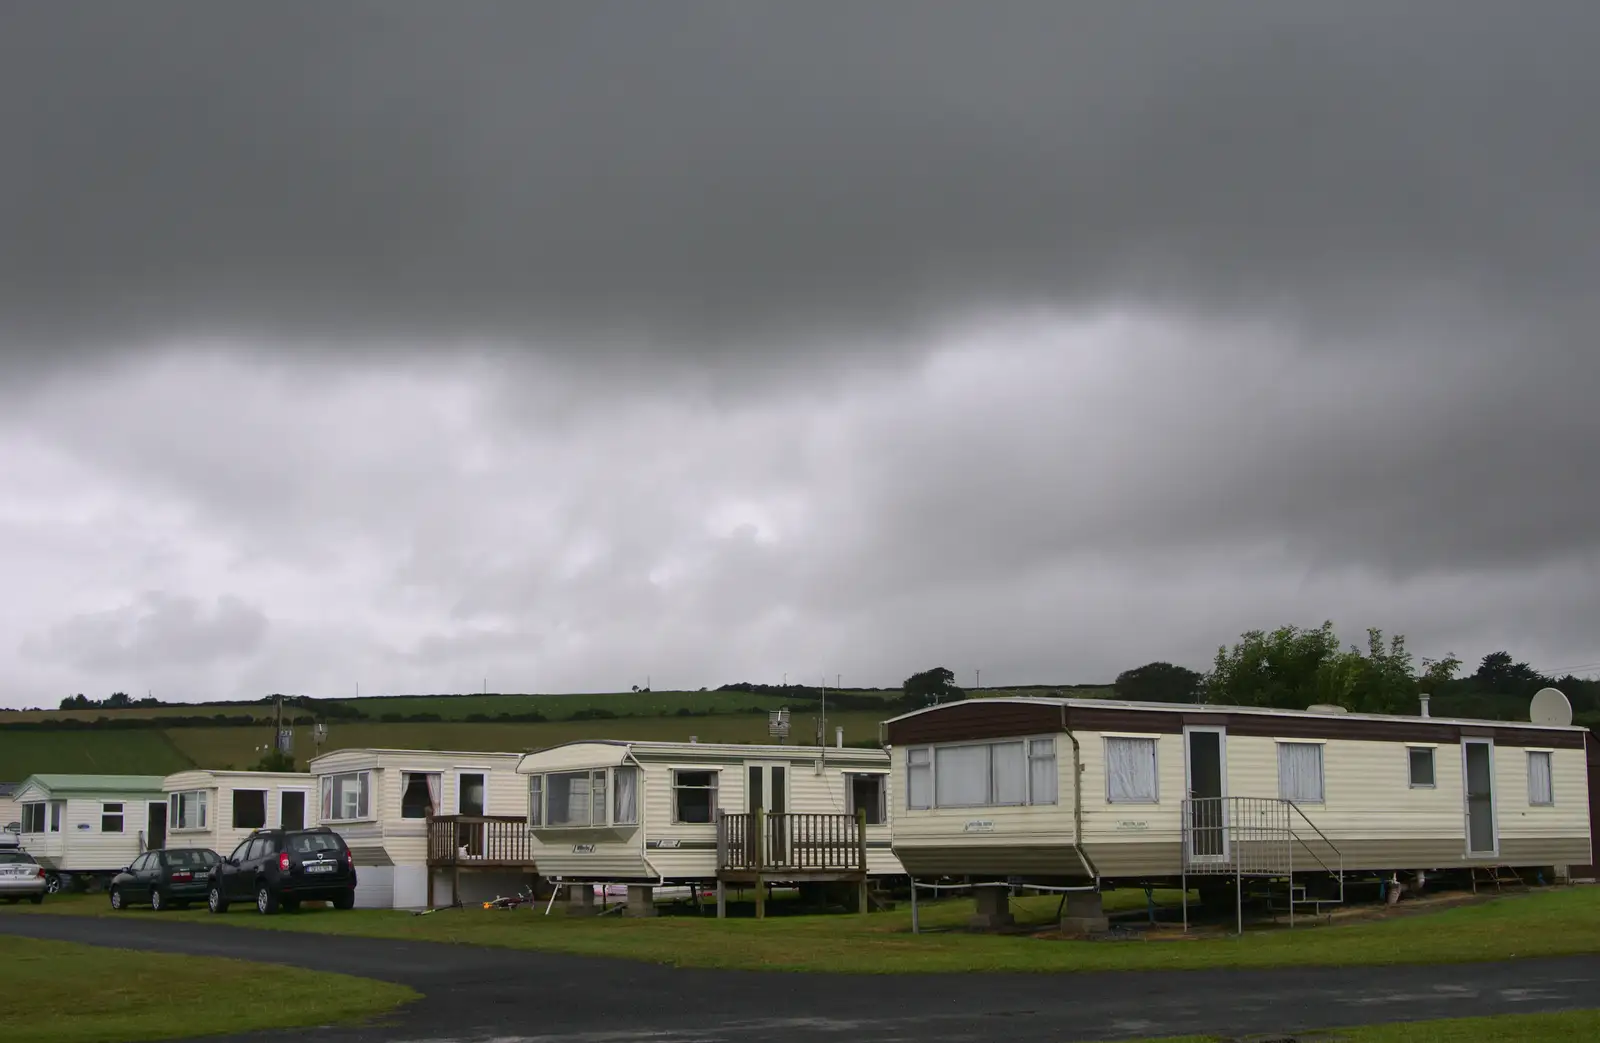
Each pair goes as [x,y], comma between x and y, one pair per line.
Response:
[16,857]
[307,843]
[186,859]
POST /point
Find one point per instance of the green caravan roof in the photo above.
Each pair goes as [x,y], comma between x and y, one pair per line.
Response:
[69,785]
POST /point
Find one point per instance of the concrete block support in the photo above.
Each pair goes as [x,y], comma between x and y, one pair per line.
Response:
[641,900]
[580,900]
[993,908]
[1084,914]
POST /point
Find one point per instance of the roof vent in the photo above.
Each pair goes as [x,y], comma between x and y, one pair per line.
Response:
[1325,708]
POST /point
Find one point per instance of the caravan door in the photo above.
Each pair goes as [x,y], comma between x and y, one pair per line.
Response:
[1206,775]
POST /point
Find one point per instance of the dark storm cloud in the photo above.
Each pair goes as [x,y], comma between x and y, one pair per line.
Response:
[706,174]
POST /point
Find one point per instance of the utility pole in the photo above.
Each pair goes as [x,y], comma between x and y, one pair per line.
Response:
[978,684]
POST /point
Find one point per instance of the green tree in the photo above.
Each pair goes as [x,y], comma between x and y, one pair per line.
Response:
[931,686]
[1160,683]
[1292,668]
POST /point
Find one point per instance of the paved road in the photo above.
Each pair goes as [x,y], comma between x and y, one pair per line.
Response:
[482,995]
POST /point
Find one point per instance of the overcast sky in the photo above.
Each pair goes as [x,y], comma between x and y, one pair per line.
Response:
[558,346]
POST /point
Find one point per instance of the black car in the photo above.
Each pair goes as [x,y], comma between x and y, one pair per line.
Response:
[284,867]
[174,877]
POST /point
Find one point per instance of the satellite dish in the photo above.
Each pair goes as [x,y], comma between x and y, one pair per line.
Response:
[1550,707]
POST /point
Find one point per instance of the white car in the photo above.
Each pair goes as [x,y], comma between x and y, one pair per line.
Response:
[20,876]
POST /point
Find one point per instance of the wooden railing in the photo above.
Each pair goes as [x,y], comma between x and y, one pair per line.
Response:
[781,841]
[479,840]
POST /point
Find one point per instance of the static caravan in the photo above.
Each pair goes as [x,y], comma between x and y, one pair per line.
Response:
[649,814]
[416,819]
[218,809]
[1064,790]
[87,827]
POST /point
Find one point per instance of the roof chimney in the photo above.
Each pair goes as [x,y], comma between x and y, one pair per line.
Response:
[838,737]
[1424,698]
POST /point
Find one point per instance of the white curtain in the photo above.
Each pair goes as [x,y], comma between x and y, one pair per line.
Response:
[435,791]
[1008,773]
[597,788]
[961,776]
[327,798]
[919,779]
[1042,771]
[1300,771]
[535,800]
[627,810]
[1540,788]
[1131,771]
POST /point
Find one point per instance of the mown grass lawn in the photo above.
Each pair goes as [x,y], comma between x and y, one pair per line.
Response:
[1549,923]
[61,992]
[1582,1026]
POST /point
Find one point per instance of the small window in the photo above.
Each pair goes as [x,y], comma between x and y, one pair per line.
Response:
[249,808]
[919,778]
[694,796]
[139,864]
[1042,784]
[625,801]
[188,810]
[345,797]
[535,800]
[1300,772]
[58,810]
[33,818]
[867,793]
[1421,760]
[1541,789]
[419,793]
[242,851]
[1131,771]
[111,818]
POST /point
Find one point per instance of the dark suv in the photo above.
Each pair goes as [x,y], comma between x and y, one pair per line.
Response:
[284,867]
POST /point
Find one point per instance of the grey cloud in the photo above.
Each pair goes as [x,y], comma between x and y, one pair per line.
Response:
[710,175]
[157,631]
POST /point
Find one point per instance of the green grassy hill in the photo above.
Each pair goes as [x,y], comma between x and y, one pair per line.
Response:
[160,740]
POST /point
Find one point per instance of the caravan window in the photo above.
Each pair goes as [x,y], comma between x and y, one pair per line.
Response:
[1011,772]
[574,798]
[188,810]
[1420,760]
[1131,776]
[1541,791]
[694,796]
[249,808]
[111,818]
[1300,772]
[346,797]
[868,792]
[33,817]
[419,793]
[625,803]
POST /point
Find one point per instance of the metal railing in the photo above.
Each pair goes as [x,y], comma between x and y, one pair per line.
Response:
[476,840]
[781,841]
[1255,838]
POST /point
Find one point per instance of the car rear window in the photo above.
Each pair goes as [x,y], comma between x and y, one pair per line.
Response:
[187,859]
[15,857]
[306,843]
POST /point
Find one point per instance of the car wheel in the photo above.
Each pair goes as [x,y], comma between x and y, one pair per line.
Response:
[116,898]
[52,883]
[344,900]
[157,903]
[214,900]
[266,899]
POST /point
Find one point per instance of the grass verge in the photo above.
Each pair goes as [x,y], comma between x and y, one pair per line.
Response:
[69,993]
[1579,1026]
[1558,922]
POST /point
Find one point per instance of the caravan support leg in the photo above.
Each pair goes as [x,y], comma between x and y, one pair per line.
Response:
[722,899]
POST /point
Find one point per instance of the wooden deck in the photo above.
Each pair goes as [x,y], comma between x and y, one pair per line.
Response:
[477,842]
[789,847]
